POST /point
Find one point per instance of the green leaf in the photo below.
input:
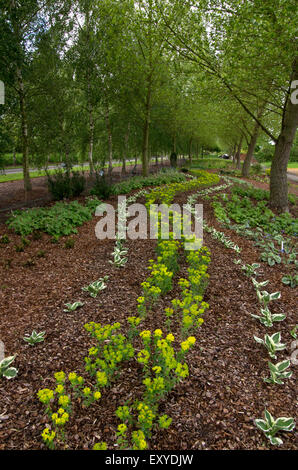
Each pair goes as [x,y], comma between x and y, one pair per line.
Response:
[10,373]
[263,425]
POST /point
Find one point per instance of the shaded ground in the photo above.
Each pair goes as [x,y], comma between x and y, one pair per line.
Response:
[12,194]
[213,409]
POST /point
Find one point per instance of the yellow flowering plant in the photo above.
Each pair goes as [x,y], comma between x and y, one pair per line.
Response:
[100,446]
[133,322]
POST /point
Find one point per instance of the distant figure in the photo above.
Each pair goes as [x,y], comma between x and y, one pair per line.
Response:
[173,160]
[134,170]
[101,173]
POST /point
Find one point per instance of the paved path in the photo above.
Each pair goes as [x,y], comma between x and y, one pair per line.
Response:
[15,171]
[293,177]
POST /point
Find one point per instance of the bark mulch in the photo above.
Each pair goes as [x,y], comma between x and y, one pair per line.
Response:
[213,409]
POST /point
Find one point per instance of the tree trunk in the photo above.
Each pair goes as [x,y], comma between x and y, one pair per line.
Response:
[24,125]
[278,176]
[238,154]
[252,144]
[174,143]
[250,151]
[110,141]
[125,156]
[91,140]
[145,167]
[189,150]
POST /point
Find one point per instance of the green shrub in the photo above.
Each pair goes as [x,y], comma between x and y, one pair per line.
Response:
[65,185]
[4,240]
[102,188]
[59,220]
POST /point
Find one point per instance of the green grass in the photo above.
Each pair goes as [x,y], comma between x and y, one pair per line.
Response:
[39,173]
[290,164]
[33,174]
[211,162]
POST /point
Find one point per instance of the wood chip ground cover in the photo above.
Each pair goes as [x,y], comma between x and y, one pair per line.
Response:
[214,408]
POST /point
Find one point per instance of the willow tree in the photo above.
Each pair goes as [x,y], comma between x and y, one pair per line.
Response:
[251,47]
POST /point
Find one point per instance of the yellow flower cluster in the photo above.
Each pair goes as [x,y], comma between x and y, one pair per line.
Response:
[165,194]
[101,333]
[185,345]
[48,436]
[101,378]
[145,417]
[64,400]
[138,439]
[100,446]
[143,356]
[60,377]
[45,395]
[60,418]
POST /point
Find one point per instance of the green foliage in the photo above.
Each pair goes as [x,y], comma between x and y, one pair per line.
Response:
[272,343]
[34,338]
[290,280]
[267,318]
[119,258]
[271,427]
[278,372]
[65,185]
[250,269]
[59,220]
[4,240]
[5,369]
[69,243]
[242,209]
[97,286]
[73,307]
[102,188]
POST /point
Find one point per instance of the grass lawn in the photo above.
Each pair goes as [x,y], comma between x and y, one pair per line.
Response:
[39,173]
[290,164]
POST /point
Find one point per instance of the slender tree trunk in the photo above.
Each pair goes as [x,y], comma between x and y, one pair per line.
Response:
[125,156]
[146,130]
[14,156]
[252,144]
[250,151]
[278,176]
[189,150]
[238,154]
[234,152]
[91,140]
[110,140]
[24,125]
[175,142]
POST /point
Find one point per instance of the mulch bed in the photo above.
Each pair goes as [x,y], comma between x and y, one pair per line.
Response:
[12,194]
[213,409]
